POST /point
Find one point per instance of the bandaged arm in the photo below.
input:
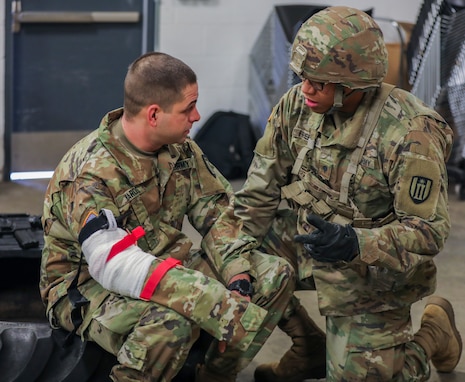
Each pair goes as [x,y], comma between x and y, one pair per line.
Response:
[114,260]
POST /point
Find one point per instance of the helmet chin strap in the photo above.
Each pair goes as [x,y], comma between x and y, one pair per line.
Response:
[338,99]
[340,96]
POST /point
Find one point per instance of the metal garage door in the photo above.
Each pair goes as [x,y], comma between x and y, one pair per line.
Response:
[65,65]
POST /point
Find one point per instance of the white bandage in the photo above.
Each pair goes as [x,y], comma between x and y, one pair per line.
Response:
[125,272]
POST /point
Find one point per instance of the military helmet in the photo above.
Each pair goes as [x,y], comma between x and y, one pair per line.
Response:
[340,45]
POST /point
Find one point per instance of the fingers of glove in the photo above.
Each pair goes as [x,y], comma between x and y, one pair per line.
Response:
[310,248]
[319,254]
[318,222]
[316,238]
[305,239]
[324,239]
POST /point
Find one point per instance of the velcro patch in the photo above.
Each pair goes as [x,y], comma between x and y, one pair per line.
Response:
[419,188]
[183,164]
[265,145]
[298,57]
[132,193]
[208,165]
[210,184]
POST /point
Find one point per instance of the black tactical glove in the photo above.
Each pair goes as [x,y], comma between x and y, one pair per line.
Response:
[330,242]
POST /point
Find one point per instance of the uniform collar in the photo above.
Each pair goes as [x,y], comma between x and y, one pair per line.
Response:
[138,166]
[346,130]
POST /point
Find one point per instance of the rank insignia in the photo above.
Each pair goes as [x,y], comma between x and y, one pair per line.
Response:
[208,165]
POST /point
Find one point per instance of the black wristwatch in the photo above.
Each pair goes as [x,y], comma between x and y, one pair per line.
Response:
[244,287]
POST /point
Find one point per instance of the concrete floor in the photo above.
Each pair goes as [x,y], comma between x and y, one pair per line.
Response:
[27,197]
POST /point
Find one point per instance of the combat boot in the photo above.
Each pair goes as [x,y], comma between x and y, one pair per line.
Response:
[306,359]
[204,374]
[439,336]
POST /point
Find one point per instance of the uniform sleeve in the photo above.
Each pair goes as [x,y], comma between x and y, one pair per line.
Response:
[416,169]
[257,202]
[67,207]
[211,214]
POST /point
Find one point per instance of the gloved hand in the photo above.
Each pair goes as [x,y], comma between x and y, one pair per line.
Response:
[330,242]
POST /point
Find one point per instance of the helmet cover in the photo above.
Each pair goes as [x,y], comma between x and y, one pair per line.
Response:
[340,45]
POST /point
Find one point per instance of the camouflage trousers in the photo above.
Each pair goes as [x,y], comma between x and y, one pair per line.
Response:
[374,348]
[369,347]
[152,339]
[279,241]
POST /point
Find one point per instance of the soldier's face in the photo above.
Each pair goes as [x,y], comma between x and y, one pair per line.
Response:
[320,101]
[175,124]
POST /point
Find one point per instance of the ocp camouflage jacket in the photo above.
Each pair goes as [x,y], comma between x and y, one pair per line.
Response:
[397,195]
[158,191]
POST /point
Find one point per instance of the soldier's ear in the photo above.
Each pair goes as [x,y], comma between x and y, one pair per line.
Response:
[152,113]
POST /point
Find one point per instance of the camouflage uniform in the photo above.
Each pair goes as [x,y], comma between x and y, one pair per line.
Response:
[396,201]
[152,338]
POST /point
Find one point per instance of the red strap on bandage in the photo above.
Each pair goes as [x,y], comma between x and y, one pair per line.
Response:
[156,276]
[125,242]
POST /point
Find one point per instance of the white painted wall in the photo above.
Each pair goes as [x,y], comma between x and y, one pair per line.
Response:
[215,38]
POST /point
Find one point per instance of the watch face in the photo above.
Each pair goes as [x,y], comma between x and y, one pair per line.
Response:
[244,287]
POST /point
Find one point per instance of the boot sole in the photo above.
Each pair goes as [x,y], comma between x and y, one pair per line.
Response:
[447,307]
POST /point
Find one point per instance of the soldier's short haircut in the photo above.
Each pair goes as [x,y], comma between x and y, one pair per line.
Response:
[155,78]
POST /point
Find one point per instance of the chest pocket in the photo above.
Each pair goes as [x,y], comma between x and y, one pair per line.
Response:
[138,202]
[371,190]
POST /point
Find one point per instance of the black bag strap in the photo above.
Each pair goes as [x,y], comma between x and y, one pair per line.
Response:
[74,295]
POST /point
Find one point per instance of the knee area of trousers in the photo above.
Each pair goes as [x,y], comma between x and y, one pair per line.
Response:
[280,279]
[165,319]
[283,274]
[179,325]
[287,270]
[184,326]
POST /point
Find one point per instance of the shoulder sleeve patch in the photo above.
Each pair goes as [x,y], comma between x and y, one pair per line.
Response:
[419,188]
[266,144]
[90,215]
[210,183]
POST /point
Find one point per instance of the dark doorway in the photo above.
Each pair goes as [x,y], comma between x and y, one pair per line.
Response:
[65,66]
